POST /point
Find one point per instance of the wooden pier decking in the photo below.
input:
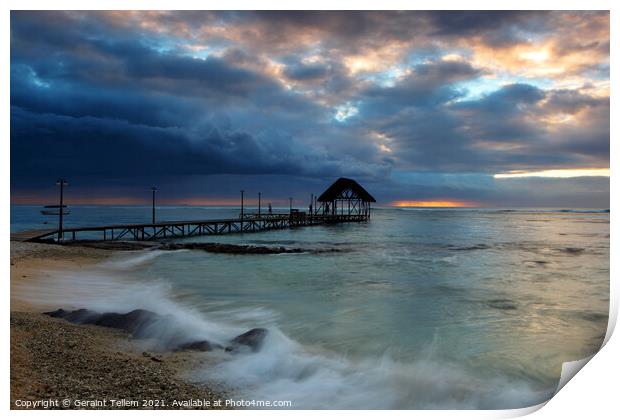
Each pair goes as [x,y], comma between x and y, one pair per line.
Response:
[179,229]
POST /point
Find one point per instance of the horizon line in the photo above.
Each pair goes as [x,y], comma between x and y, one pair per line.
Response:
[255,205]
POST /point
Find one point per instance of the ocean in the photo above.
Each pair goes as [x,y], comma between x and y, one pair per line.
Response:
[419,308]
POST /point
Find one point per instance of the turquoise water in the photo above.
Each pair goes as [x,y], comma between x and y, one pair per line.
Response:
[420,309]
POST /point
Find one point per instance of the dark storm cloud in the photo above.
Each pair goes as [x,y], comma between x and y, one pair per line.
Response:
[352,29]
[502,116]
[301,71]
[88,146]
[307,95]
[92,146]
[81,100]
[166,91]
[429,85]
[432,131]
[508,99]
[344,29]
[497,27]
[124,63]
[570,101]
[513,115]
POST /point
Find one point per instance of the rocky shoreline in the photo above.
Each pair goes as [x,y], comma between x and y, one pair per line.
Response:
[214,247]
[143,324]
[55,360]
[82,355]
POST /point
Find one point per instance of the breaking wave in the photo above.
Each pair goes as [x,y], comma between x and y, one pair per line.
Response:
[311,379]
[285,369]
[134,260]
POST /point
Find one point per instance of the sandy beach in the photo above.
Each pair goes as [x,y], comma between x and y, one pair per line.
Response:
[54,360]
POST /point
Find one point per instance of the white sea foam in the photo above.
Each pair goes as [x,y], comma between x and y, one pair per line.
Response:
[284,369]
[134,259]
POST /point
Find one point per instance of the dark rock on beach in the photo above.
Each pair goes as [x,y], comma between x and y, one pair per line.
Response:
[252,339]
[80,316]
[133,322]
[200,345]
[141,323]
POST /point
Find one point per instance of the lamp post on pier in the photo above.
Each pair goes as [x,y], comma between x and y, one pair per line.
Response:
[241,215]
[259,194]
[62,183]
[153,190]
[290,205]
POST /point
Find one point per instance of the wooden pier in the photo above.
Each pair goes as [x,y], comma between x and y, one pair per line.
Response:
[181,229]
[345,201]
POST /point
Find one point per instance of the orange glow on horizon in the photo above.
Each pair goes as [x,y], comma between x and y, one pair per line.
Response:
[433,203]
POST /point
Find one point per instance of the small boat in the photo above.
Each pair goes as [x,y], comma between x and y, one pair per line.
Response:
[54,210]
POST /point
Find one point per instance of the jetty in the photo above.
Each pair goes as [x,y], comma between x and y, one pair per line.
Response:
[345,201]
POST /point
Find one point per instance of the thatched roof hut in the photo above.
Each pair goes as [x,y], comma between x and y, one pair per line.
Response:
[345,188]
[345,197]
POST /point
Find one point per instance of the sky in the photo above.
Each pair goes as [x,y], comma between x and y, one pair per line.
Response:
[480,109]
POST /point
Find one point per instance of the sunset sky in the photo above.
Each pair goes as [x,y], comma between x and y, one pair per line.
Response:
[494,109]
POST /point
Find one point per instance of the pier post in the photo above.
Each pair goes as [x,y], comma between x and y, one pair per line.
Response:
[241,215]
[153,189]
[315,209]
[62,183]
[259,194]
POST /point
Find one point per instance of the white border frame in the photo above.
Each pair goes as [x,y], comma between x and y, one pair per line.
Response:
[593,393]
